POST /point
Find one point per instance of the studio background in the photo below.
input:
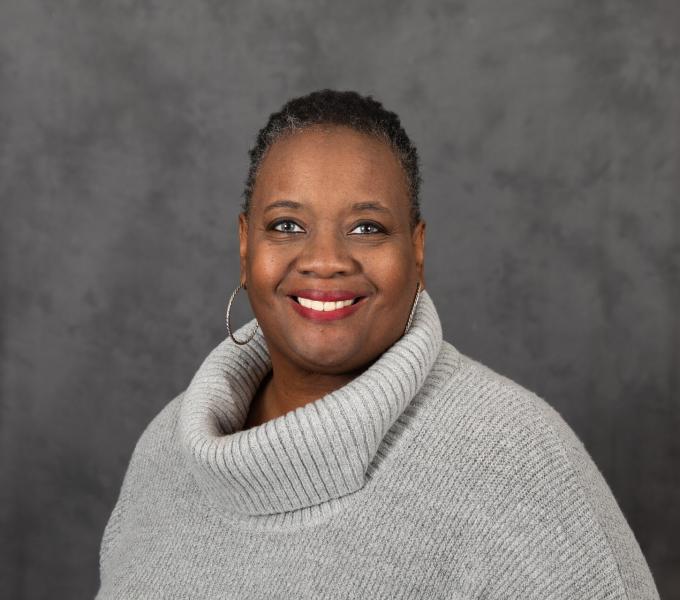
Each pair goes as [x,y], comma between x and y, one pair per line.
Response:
[548,133]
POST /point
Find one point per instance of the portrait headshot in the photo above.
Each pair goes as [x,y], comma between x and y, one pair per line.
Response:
[332,301]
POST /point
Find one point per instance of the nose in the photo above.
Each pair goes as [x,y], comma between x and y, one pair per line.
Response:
[326,254]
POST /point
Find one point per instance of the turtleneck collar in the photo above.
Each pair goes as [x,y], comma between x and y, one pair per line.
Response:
[310,455]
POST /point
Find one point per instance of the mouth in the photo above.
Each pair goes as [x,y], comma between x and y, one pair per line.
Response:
[324,305]
[328,306]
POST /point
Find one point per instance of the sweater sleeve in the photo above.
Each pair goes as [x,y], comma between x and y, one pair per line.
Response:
[635,574]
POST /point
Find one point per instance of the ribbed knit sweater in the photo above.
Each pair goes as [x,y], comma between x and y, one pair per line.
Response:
[427,476]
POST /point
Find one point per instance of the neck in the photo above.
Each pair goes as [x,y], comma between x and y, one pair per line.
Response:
[287,387]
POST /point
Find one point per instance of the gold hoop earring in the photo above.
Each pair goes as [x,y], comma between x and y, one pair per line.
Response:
[231,335]
[413,308]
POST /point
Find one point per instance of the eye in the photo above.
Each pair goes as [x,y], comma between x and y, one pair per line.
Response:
[287,226]
[367,227]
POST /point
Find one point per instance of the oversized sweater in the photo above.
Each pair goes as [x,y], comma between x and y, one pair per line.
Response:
[427,476]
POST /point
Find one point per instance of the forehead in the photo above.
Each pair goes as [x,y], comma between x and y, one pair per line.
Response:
[332,162]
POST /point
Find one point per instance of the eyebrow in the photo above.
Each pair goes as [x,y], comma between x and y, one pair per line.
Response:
[360,206]
[283,204]
[356,207]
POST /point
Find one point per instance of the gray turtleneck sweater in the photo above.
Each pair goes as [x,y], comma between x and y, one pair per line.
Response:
[427,476]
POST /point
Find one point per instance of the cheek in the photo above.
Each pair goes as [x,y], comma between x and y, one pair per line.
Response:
[392,270]
[266,268]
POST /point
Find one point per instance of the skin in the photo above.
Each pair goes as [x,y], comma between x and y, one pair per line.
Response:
[325,242]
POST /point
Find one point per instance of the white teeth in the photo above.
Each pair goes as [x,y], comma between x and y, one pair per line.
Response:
[323,306]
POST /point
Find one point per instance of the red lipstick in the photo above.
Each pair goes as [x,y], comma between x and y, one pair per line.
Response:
[326,296]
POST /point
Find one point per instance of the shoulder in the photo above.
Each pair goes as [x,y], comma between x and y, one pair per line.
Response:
[157,442]
[161,429]
[154,446]
[505,427]
[477,398]
[471,394]
[521,462]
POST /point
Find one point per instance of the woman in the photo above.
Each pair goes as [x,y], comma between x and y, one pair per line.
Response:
[336,446]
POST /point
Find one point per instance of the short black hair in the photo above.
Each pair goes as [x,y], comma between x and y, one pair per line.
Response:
[349,108]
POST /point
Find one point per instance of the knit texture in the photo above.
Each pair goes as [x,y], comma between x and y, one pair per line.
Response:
[427,476]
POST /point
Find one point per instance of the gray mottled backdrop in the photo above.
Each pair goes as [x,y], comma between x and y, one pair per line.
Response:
[548,131]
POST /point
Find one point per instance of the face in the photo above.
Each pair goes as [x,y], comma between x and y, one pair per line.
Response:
[329,228]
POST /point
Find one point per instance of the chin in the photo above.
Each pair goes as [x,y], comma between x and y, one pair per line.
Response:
[330,358]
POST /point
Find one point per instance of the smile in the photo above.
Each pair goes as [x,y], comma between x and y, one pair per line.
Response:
[320,305]
[325,306]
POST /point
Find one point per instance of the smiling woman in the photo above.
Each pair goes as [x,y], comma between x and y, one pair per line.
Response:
[312,237]
[337,446]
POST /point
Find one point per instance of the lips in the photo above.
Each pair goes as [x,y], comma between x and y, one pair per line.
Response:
[326,305]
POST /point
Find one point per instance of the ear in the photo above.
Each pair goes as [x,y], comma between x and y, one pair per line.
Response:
[243,244]
[418,240]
